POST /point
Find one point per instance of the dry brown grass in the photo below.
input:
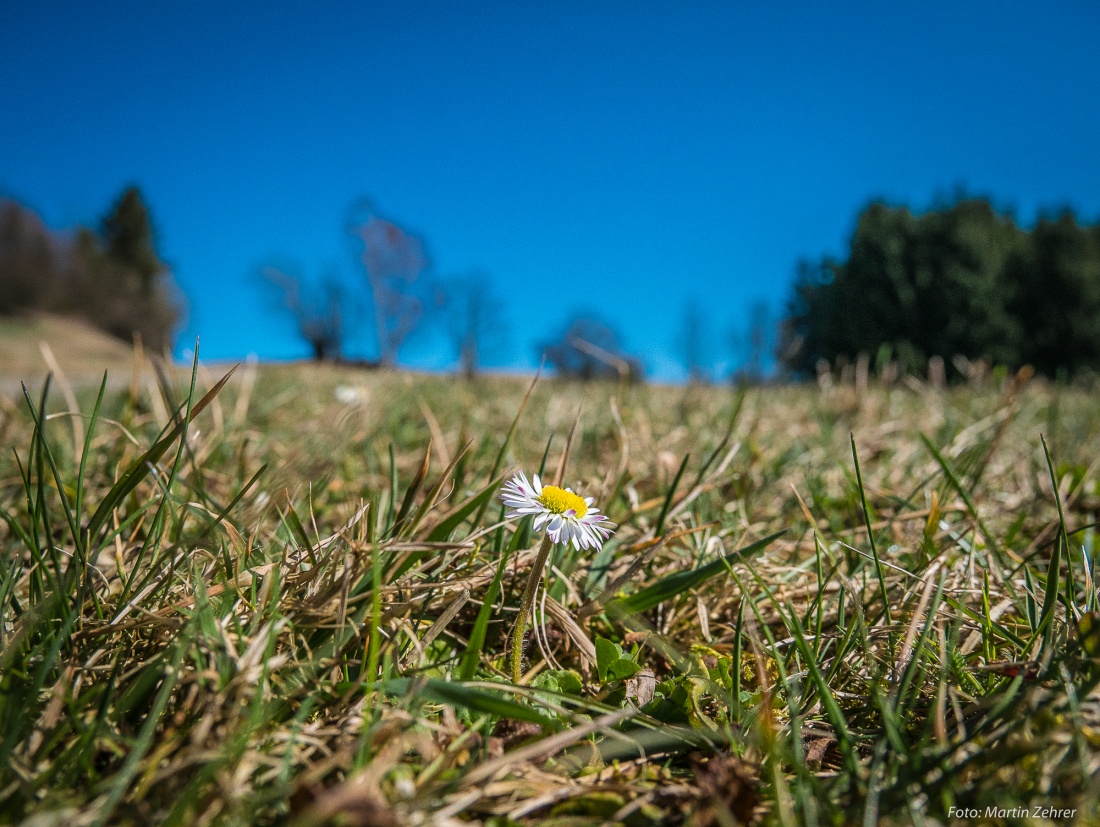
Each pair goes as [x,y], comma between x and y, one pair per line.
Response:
[288,648]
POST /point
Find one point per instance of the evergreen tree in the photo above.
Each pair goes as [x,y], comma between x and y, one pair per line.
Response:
[114,279]
[962,280]
[129,239]
[121,285]
[1057,298]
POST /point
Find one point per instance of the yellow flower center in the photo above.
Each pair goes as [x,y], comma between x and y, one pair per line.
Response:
[558,501]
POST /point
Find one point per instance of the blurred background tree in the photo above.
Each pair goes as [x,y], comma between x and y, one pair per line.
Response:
[694,345]
[961,280]
[318,309]
[754,343]
[589,349]
[113,278]
[119,282]
[33,261]
[1056,277]
[474,318]
[394,263]
[127,235]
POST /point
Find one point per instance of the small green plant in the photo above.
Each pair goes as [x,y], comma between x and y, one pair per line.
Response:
[612,664]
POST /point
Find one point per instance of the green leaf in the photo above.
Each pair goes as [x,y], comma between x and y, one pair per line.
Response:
[562,681]
[606,654]
[622,668]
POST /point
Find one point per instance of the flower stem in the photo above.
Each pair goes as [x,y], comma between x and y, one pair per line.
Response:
[525,607]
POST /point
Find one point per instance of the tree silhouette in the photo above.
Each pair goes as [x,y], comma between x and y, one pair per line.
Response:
[114,279]
[474,318]
[921,285]
[693,345]
[1057,295]
[127,234]
[318,311]
[394,262]
[754,343]
[589,349]
[33,263]
[120,282]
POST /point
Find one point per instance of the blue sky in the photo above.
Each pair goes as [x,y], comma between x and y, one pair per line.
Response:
[625,159]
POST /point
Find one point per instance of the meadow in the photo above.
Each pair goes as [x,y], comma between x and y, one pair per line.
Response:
[286,597]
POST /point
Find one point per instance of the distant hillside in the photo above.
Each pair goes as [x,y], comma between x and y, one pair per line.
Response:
[82,351]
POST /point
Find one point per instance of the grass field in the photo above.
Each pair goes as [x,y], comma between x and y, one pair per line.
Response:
[288,600]
[29,343]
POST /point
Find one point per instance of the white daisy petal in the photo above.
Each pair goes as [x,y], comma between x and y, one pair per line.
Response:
[567,518]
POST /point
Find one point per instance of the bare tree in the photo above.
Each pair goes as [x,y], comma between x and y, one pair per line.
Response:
[318,311]
[693,344]
[589,350]
[394,261]
[474,318]
[756,343]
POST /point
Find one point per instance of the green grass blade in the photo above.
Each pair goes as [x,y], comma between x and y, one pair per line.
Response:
[1054,581]
[871,535]
[472,656]
[956,483]
[680,582]
[499,461]
[141,467]
[412,491]
[462,696]
[294,522]
[668,497]
[442,530]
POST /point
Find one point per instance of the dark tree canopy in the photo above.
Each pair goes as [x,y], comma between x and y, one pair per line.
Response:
[964,280]
[33,263]
[1057,295]
[113,279]
[128,238]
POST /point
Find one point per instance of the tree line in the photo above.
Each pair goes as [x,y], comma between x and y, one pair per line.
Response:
[963,280]
[399,294]
[396,292]
[110,276]
[960,280]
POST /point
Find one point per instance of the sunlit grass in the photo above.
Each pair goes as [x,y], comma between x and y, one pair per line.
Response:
[272,601]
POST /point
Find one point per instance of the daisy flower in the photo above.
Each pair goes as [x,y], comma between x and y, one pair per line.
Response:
[568,517]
